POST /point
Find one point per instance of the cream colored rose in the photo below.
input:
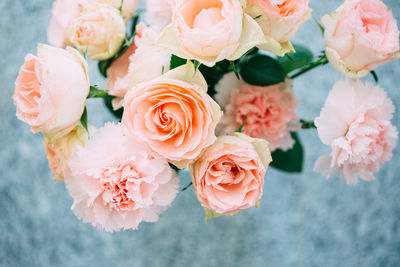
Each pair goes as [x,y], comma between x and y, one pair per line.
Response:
[210,31]
[360,36]
[127,7]
[279,20]
[99,30]
[59,151]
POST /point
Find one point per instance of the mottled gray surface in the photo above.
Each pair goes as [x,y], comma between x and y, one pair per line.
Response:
[303,220]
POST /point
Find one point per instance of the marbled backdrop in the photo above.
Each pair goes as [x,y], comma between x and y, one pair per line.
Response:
[303,220]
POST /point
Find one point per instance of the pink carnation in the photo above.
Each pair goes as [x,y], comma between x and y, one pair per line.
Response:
[270,110]
[116,183]
[355,122]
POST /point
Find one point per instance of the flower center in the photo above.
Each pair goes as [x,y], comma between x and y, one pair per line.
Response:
[207,18]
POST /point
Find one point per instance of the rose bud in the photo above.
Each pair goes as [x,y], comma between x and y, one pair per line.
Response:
[99,31]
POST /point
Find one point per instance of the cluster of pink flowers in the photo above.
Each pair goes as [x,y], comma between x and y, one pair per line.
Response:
[121,174]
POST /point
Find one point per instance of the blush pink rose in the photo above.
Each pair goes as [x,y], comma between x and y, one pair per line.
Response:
[173,115]
[279,20]
[355,122]
[270,110]
[143,62]
[159,13]
[210,31]
[99,31]
[51,90]
[229,175]
[360,36]
[59,151]
[116,183]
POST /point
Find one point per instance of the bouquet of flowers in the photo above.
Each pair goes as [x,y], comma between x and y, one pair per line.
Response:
[203,85]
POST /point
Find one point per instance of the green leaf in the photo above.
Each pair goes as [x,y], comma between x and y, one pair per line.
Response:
[233,65]
[262,70]
[84,120]
[289,161]
[214,75]
[96,92]
[108,103]
[210,214]
[176,62]
[321,28]
[301,58]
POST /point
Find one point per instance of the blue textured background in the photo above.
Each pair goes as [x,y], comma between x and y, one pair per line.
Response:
[303,220]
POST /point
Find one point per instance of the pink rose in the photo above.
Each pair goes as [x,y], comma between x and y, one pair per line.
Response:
[173,115]
[51,90]
[99,31]
[143,62]
[355,122]
[210,31]
[116,183]
[279,20]
[59,151]
[270,110]
[360,36]
[229,175]
[159,13]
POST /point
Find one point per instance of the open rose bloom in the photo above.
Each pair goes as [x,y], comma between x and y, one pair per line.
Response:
[210,31]
[51,90]
[229,175]
[360,36]
[204,85]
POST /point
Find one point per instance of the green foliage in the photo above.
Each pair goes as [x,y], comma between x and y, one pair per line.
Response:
[108,103]
[176,62]
[302,57]
[96,92]
[84,120]
[261,70]
[289,161]
[214,75]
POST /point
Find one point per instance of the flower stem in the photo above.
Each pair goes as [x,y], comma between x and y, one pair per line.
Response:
[307,124]
[186,187]
[320,62]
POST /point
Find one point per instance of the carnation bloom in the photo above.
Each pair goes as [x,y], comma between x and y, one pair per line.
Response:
[142,62]
[360,36]
[173,114]
[116,183]
[59,151]
[279,20]
[51,90]
[355,122]
[270,110]
[210,31]
[229,175]
[99,31]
